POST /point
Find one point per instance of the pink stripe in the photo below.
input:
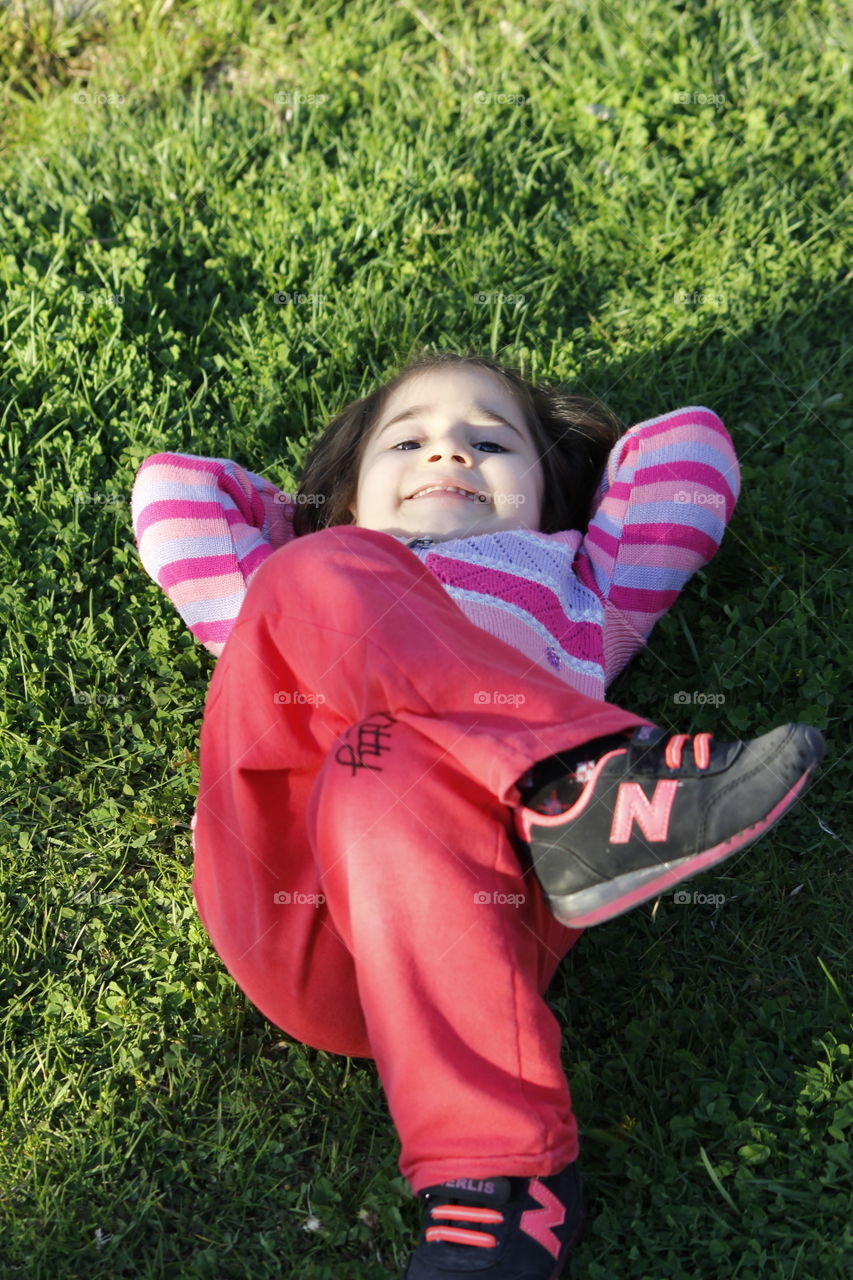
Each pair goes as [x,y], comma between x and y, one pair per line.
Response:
[254,500]
[670,535]
[636,600]
[170,530]
[662,536]
[195,568]
[216,632]
[256,557]
[194,590]
[604,541]
[202,568]
[650,558]
[198,471]
[700,473]
[681,418]
[665,491]
[193,512]
[585,575]
[190,467]
[539,601]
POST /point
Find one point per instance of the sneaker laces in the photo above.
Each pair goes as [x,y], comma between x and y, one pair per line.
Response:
[454,1214]
[557,801]
[700,744]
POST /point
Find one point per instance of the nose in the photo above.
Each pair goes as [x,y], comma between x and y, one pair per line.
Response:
[454,450]
[456,457]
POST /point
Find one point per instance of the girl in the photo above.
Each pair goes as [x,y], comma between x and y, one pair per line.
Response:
[413,796]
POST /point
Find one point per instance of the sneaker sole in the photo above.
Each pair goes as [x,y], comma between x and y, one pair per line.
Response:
[613,898]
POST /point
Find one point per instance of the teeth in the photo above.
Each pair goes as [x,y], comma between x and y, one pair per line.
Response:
[444,488]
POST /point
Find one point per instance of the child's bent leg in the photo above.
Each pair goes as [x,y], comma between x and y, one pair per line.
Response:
[453,947]
[335,626]
[349,619]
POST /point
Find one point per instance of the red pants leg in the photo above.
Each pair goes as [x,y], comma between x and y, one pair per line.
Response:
[335,628]
[453,949]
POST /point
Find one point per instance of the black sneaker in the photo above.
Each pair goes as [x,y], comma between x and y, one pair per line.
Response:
[499,1228]
[659,810]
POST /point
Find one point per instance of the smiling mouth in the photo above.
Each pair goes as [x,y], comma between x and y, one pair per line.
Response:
[449,493]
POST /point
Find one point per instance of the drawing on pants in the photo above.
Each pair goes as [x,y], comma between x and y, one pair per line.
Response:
[369,742]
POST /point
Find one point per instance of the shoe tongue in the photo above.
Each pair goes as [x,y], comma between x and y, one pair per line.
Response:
[473,1190]
[644,749]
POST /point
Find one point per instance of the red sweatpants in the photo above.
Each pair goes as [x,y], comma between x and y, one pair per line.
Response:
[356,867]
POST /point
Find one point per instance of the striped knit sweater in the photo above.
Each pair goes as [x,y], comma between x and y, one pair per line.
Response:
[580,605]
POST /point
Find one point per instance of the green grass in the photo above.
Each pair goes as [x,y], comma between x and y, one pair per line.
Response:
[660,253]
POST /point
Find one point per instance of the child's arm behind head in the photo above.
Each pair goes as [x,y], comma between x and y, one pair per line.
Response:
[203,526]
[668,491]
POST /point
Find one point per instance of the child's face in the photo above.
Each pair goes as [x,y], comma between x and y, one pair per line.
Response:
[453,441]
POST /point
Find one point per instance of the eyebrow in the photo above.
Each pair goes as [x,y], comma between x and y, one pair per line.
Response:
[421,408]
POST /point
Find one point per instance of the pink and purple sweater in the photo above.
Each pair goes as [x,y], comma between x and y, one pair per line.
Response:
[580,605]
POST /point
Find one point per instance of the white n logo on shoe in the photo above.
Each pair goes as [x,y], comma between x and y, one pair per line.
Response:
[650,815]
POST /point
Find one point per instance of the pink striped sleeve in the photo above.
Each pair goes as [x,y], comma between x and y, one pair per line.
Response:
[668,491]
[203,526]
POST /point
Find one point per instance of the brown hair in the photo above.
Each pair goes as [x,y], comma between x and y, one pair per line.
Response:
[573,436]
